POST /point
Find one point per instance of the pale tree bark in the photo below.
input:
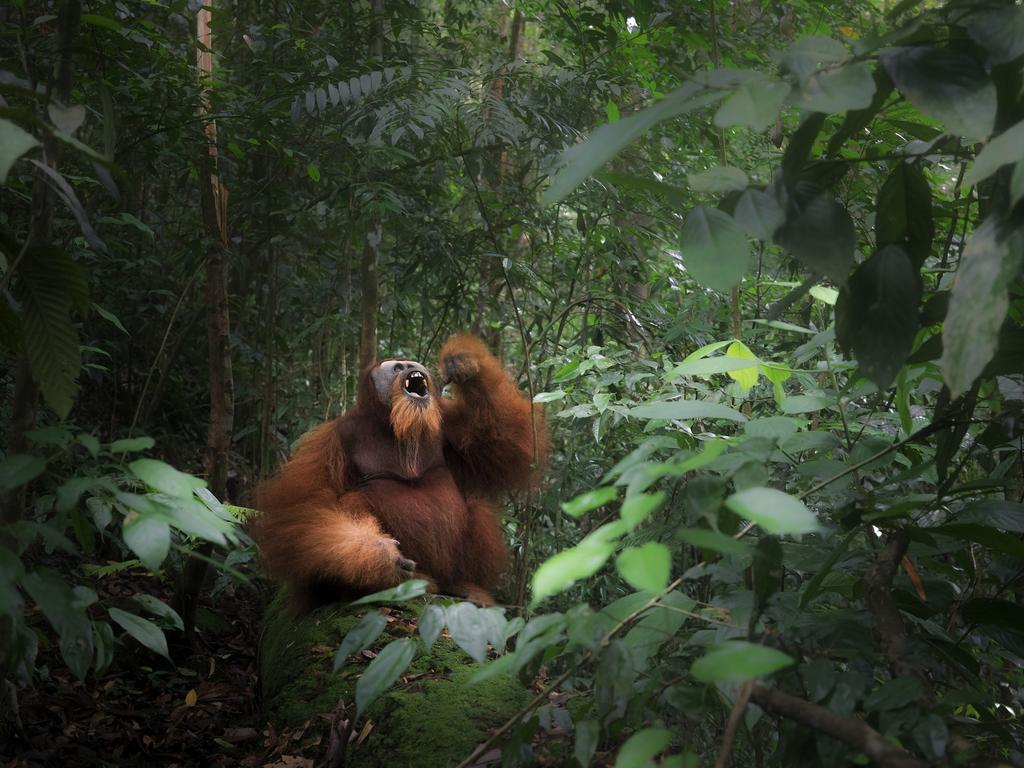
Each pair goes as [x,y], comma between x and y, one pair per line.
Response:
[369,277]
[214,198]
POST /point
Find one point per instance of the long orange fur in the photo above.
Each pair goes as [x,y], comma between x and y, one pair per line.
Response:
[330,528]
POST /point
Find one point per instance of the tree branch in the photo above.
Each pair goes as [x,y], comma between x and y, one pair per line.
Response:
[849,730]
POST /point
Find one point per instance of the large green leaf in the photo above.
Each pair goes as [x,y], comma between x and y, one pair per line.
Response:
[588,500]
[165,478]
[876,315]
[407,590]
[641,747]
[759,214]
[646,567]
[775,511]
[19,469]
[715,250]
[143,630]
[819,232]
[978,304]
[754,104]
[739,660]
[580,161]
[149,537]
[949,85]
[383,671]
[65,609]
[50,284]
[1007,147]
[999,31]
[560,572]
[903,215]
[360,637]
[838,90]
[719,179]
[14,142]
[686,410]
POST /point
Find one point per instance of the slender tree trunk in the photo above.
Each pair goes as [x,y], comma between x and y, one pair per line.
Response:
[369,275]
[218,329]
[369,292]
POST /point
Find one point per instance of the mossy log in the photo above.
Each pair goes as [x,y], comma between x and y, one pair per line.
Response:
[431,717]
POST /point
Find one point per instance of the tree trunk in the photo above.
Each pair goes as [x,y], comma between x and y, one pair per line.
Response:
[369,293]
[218,329]
[369,280]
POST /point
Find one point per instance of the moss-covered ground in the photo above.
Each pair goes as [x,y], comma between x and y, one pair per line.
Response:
[431,717]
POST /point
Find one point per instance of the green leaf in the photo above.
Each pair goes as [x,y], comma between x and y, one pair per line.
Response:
[713,540]
[50,285]
[143,630]
[948,85]
[737,660]
[977,305]
[745,377]
[19,469]
[165,478]
[709,366]
[876,315]
[90,443]
[360,637]
[132,445]
[813,588]
[158,607]
[639,507]
[754,104]
[723,178]
[776,512]
[805,404]
[898,692]
[686,410]
[407,590]
[430,624]
[558,573]
[588,732]
[838,90]
[641,747]
[903,215]
[383,671]
[994,513]
[820,234]
[808,53]
[1007,147]
[65,609]
[473,628]
[313,172]
[15,141]
[149,537]
[589,500]
[646,567]
[549,397]
[1000,32]
[110,317]
[715,250]
[580,161]
[759,214]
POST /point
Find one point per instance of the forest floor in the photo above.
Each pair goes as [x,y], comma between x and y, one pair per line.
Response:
[204,710]
[145,711]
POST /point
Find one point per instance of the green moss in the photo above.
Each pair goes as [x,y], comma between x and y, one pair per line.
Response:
[432,717]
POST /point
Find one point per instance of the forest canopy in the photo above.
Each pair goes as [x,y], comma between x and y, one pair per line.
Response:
[759,262]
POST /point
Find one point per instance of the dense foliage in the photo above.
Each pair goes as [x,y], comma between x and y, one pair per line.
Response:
[761,263]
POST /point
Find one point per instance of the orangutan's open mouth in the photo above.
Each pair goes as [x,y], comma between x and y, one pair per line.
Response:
[415,384]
